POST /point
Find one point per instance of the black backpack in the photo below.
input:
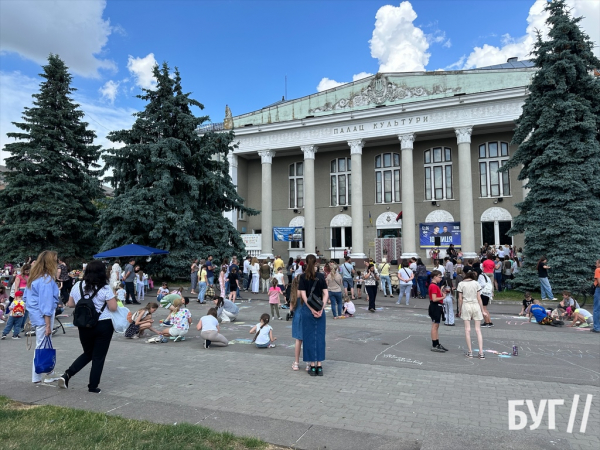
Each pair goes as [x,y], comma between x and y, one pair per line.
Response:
[85,314]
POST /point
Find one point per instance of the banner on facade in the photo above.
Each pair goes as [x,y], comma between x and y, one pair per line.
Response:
[252,241]
[287,234]
[448,232]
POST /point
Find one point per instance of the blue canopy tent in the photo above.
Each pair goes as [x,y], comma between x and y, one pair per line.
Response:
[131,250]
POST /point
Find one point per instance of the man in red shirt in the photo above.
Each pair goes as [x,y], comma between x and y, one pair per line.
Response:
[488,265]
[436,310]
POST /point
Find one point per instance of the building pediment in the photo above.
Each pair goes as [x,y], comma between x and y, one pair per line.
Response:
[387,89]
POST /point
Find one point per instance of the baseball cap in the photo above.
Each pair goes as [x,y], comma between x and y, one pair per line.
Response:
[19,294]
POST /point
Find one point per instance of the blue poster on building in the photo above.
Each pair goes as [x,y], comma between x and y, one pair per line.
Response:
[447,232]
[287,234]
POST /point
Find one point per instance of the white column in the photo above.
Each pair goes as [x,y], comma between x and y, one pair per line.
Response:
[310,240]
[233,174]
[266,213]
[356,147]
[465,192]
[409,222]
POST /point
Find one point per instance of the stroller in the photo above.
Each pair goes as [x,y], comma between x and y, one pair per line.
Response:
[57,323]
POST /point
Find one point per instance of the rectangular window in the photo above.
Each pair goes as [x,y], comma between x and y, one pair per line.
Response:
[387,160]
[449,182]
[342,165]
[349,164]
[300,193]
[349,189]
[482,151]
[437,155]
[397,185]
[504,149]
[333,166]
[494,179]
[342,189]
[299,169]
[448,155]
[336,237]
[378,162]
[387,186]
[292,170]
[483,179]
[396,159]
[378,187]
[292,194]
[428,157]
[505,181]
[427,183]
[493,149]
[438,183]
[333,190]
[347,236]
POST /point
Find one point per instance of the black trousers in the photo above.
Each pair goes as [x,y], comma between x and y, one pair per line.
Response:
[372,291]
[65,291]
[95,342]
[129,291]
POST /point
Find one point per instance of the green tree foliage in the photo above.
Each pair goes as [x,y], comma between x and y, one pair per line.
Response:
[559,150]
[52,176]
[171,184]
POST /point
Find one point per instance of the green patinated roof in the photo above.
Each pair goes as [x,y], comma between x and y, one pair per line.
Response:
[388,89]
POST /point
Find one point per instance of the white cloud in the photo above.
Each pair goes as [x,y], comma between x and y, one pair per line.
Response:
[110,90]
[327,83]
[74,30]
[521,47]
[16,95]
[141,69]
[397,43]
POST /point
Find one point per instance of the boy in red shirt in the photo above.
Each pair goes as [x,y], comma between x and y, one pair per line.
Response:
[436,311]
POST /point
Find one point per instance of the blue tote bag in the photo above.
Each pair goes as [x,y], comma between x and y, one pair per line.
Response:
[45,357]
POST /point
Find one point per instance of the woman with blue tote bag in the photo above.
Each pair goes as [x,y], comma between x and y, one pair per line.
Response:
[41,299]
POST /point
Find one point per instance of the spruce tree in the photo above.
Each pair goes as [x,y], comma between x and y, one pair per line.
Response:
[171,184]
[559,150]
[51,180]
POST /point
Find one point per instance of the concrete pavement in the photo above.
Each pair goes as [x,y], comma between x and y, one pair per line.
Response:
[383,388]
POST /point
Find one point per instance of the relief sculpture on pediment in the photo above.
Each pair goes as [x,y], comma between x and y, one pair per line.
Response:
[379,91]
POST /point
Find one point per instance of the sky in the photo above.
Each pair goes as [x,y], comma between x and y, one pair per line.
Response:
[239,53]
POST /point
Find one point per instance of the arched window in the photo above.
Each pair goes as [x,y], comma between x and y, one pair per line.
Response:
[438,173]
[341,182]
[492,156]
[296,176]
[387,178]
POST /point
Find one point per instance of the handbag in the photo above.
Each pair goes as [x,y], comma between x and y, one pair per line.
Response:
[344,291]
[45,357]
[314,301]
[119,319]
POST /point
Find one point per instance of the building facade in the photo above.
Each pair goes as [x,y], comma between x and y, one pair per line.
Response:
[344,163]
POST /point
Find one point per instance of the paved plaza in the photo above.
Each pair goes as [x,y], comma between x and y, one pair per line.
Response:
[382,386]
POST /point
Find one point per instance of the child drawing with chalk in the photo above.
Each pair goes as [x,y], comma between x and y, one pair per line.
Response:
[264,333]
[349,308]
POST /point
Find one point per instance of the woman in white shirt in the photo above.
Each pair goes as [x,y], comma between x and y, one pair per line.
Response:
[95,340]
[209,330]
[405,279]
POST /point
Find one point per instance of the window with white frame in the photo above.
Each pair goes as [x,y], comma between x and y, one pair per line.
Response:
[438,173]
[492,183]
[387,178]
[296,176]
[341,182]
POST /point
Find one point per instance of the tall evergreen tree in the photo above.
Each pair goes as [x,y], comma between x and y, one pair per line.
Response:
[52,176]
[559,150]
[171,184]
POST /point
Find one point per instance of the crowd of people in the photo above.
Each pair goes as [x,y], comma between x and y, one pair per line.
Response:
[303,287]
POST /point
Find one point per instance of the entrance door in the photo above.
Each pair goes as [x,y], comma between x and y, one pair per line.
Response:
[494,233]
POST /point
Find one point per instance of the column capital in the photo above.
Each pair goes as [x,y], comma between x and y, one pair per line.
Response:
[266,156]
[356,146]
[463,134]
[407,140]
[309,151]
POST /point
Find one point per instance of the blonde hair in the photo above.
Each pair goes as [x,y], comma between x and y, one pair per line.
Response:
[45,264]
[254,260]
[176,305]
[294,293]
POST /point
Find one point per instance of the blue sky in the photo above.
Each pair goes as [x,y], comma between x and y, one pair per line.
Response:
[239,52]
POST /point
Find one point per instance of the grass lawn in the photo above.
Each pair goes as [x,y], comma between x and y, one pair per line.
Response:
[52,427]
[512,295]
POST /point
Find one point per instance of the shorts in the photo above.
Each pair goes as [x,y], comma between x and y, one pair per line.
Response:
[436,312]
[348,283]
[174,331]
[485,300]
[471,311]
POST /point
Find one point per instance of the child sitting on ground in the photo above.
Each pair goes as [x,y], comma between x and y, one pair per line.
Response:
[15,317]
[541,315]
[448,306]
[349,308]
[567,305]
[359,282]
[527,302]
[141,321]
[264,333]
[162,291]
[181,320]
[274,301]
